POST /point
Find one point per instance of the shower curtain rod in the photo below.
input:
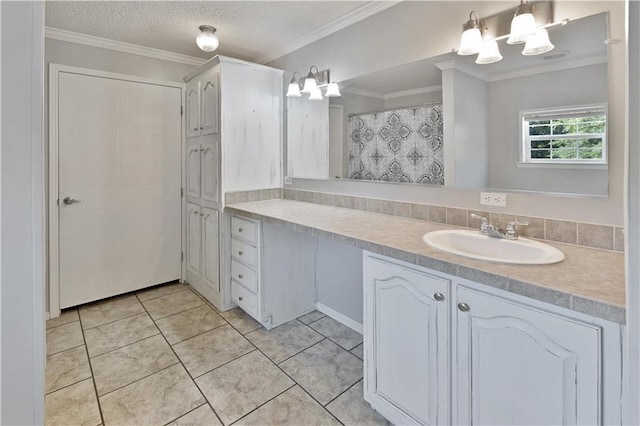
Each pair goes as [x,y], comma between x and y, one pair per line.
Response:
[355,114]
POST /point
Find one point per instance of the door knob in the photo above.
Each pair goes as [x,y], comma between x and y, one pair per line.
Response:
[70,200]
[464,307]
[439,297]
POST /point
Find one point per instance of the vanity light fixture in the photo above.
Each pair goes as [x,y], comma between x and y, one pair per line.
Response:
[523,30]
[207,40]
[312,84]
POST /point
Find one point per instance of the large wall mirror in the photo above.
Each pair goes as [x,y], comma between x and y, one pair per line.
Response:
[525,123]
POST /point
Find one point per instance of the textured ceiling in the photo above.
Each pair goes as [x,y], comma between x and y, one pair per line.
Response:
[247,29]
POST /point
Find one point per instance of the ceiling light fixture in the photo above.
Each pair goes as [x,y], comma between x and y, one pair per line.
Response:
[207,40]
[523,30]
[312,84]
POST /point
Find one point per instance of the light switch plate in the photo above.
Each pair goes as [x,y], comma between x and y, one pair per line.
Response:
[288,180]
[496,199]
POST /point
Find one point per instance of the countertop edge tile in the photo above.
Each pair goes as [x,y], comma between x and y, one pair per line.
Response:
[511,280]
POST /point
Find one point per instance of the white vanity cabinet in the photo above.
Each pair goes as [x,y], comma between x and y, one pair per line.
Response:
[513,360]
[234,143]
[406,323]
[245,264]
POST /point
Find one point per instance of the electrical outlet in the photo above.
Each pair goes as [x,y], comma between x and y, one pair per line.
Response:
[288,180]
[496,199]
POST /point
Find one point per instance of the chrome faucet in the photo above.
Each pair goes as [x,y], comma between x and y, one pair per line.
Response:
[494,231]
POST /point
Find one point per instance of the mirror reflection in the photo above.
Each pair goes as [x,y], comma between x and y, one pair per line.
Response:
[525,123]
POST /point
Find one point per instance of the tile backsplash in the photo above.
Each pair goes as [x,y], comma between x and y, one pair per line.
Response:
[256,195]
[584,234]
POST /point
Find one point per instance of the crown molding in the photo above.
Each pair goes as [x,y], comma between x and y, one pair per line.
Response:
[362,92]
[119,46]
[358,14]
[565,65]
[416,91]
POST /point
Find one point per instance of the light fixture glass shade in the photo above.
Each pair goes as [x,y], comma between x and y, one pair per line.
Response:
[309,84]
[489,53]
[316,94]
[470,42]
[332,90]
[207,40]
[538,44]
[294,89]
[523,26]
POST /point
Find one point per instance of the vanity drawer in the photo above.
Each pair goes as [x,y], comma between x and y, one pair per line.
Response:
[245,229]
[244,298]
[244,252]
[244,275]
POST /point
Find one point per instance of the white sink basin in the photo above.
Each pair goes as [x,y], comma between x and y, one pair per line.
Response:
[477,246]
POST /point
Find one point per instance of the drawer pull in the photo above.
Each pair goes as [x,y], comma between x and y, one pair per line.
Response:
[240,276]
[240,253]
[240,298]
[239,229]
[464,307]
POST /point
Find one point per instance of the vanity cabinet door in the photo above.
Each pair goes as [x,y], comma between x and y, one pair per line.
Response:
[194,237]
[209,172]
[210,248]
[406,330]
[193,109]
[193,170]
[209,95]
[520,365]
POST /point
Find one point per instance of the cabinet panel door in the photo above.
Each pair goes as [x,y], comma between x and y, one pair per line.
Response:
[210,248]
[210,90]
[209,172]
[194,237]
[406,330]
[193,109]
[518,365]
[193,170]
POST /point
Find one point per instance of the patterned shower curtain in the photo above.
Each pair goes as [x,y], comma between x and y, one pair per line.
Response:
[399,145]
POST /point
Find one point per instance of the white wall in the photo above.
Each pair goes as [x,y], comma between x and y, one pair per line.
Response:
[22,212]
[575,86]
[411,31]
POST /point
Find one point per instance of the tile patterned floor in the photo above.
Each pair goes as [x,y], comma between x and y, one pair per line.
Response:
[166,356]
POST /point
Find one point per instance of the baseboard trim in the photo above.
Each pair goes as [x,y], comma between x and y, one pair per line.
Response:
[341,318]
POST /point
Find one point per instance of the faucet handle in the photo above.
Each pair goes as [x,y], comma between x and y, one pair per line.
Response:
[511,231]
[485,222]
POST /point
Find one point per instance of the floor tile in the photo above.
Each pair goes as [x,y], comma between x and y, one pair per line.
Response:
[120,333]
[284,341]
[123,366]
[311,317]
[73,405]
[241,386]
[172,304]
[187,324]
[157,399]
[240,320]
[351,408]
[212,349]
[66,368]
[324,370]
[65,317]
[292,408]
[358,351]
[64,337]
[339,333]
[201,416]
[109,310]
[160,290]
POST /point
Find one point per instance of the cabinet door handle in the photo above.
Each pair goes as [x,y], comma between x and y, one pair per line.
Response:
[240,253]
[201,128]
[240,276]
[464,307]
[439,297]
[240,298]
[239,229]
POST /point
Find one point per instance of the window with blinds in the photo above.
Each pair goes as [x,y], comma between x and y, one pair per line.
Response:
[572,135]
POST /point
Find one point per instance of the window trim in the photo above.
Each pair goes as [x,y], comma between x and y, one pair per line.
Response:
[525,159]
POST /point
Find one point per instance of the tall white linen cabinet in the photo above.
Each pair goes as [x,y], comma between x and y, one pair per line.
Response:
[233,129]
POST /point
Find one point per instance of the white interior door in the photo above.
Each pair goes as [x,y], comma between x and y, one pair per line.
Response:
[119,172]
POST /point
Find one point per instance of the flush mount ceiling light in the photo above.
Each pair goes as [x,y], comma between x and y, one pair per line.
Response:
[312,84]
[479,35]
[207,40]
[471,39]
